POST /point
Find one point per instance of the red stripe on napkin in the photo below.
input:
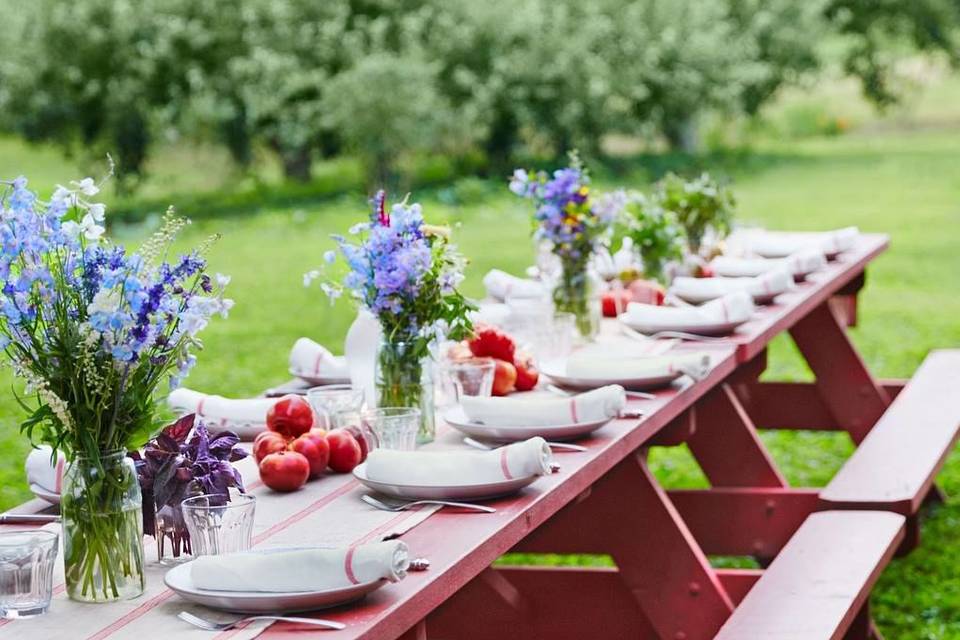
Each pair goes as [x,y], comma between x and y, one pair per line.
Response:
[503,464]
[200,405]
[348,565]
[573,410]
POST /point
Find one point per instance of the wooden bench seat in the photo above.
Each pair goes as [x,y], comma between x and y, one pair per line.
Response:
[894,467]
[817,588]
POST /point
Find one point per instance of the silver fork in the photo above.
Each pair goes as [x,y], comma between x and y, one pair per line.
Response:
[210,625]
[677,335]
[403,506]
[560,446]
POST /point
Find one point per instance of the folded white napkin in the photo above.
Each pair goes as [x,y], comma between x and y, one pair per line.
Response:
[731,308]
[457,468]
[306,569]
[780,244]
[501,285]
[593,406]
[764,285]
[613,367]
[492,313]
[43,473]
[799,264]
[217,408]
[308,358]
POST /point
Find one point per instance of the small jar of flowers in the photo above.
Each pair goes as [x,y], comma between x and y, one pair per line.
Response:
[406,273]
[574,225]
[93,331]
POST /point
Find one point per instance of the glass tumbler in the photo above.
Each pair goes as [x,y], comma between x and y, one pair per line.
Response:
[395,427]
[27,560]
[470,377]
[217,526]
[329,400]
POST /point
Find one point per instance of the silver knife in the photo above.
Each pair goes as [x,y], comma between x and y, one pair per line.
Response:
[27,518]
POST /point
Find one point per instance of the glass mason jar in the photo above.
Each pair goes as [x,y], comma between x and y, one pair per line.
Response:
[101,507]
[404,378]
[577,291]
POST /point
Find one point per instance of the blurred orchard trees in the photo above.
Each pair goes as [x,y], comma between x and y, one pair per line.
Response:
[383,79]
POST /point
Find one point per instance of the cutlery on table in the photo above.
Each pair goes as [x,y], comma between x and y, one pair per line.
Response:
[210,625]
[560,391]
[670,335]
[403,506]
[559,446]
[27,518]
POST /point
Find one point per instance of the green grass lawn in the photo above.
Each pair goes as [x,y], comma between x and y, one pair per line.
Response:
[905,182]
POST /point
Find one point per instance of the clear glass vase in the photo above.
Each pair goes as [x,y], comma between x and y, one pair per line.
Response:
[404,378]
[101,506]
[577,291]
[172,537]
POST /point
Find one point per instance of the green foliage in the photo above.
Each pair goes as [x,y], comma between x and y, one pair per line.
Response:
[656,233]
[483,83]
[699,204]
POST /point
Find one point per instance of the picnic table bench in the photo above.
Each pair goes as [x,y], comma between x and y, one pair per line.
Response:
[822,550]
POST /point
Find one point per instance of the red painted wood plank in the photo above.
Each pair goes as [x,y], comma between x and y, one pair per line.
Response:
[629,516]
[817,585]
[744,521]
[560,603]
[727,447]
[795,405]
[738,582]
[854,398]
[894,467]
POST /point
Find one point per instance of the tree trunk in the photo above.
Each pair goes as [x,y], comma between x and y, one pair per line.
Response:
[296,163]
[683,134]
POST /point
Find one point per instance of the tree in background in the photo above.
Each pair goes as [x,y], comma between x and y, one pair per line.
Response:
[873,27]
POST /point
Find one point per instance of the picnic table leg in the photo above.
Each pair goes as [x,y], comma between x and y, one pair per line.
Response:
[628,515]
[851,393]
[727,446]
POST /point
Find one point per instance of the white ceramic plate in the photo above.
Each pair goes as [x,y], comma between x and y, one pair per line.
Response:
[709,330]
[316,380]
[456,418]
[483,491]
[178,579]
[556,372]
[43,494]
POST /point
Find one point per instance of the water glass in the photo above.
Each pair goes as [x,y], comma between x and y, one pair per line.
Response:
[27,559]
[471,377]
[217,526]
[394,427]
[329,400]
[559,338]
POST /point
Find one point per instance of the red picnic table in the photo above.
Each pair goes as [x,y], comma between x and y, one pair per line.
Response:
[822,554]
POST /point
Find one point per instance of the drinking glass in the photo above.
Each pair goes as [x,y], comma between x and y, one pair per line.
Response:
[394,427]
[217,526]
[471,377]
[27,559]
[557,340]
[329,400]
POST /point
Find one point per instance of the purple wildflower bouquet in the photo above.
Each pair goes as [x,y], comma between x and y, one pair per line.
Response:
[93,331]
[406,273]
[184,460]
[574,225]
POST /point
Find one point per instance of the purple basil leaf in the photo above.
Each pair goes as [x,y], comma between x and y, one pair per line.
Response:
[223,443]
[180,429]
